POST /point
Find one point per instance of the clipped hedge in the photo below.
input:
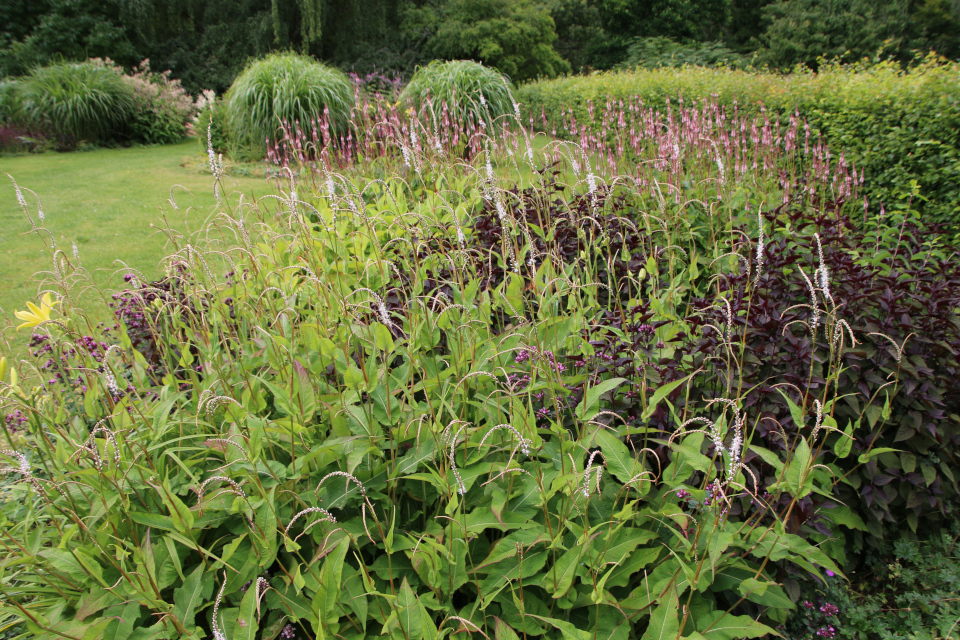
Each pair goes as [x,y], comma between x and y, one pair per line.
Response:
[898,126]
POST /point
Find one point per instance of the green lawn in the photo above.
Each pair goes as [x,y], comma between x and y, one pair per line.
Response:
[110,202]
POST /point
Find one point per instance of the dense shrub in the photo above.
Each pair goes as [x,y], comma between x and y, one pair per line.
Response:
[284,89]
[9,101]
[77,101]
[469,91]
[16,136]
[898,288]
[898,126]
[210,124]
[162,107]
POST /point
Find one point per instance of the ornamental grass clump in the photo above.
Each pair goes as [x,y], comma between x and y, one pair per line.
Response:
[77,101]
[284,89]
[469,91]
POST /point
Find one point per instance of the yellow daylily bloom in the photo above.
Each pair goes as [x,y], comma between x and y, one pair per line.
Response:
[34,314]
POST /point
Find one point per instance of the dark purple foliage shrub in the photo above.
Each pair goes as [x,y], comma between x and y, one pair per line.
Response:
[900,387]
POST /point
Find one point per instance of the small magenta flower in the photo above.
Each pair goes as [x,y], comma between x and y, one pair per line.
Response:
[829,609]
[683,494]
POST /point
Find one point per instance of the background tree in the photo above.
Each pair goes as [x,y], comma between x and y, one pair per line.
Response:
[579,31]
[800,31]
[515,36]
[36,33]
[681,20]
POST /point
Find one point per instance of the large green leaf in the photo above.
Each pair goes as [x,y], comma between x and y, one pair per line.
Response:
[665,619]
[720,625]
[197,589]
[662,392]
[590,405]
[620,462]
[559,577]
[799,476]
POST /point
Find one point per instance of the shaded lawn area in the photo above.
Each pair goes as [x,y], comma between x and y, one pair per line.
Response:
[111,202]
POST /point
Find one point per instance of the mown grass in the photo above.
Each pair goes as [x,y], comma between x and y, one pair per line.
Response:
[111,202]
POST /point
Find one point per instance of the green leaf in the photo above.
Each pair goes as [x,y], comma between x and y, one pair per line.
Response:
[798,478]
[620,463]
[503,631]
[96,600]
[353,378]
[729,627]
[665,619]
[865,457]
[559,578]
[483,518]
[197,588]
[590,405]
[408,613]
[844,444]
[65,564]
[567,630]
[156,632]
[247,625]
[325,599]
[122,628]
[662,392]
[795,411]
[382,338]
[154,520]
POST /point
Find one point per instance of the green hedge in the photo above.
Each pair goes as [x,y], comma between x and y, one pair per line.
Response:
[898,126]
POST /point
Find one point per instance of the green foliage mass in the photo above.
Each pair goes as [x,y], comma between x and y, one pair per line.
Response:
[624,20]
[49,31]
[459,84]
[76,101]
[681,19]
[515,37]
[284,88]
[897,126]
[206,43]
[907,589]
[368,461]
[9,101]
[802,31]
[659,51]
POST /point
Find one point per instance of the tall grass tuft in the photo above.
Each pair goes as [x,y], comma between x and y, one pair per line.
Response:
[76,101]
[284,88]
[470,91]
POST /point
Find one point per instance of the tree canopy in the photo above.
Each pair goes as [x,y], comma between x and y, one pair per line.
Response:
[206,43]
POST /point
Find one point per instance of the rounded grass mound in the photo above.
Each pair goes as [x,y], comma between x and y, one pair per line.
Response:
[460,84]
[283,88]
[76,101]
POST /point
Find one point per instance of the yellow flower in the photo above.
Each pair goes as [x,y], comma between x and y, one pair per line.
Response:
[35,315]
